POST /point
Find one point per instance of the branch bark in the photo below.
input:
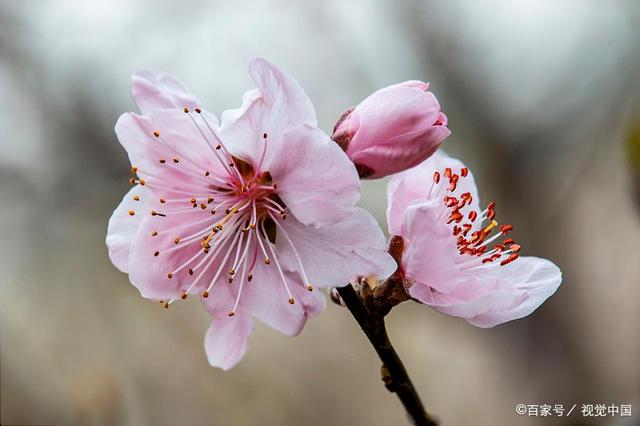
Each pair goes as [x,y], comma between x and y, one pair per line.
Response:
[394,374]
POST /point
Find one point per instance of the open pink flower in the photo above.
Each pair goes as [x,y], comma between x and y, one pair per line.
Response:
[250,215]
[393,129]
[457,258]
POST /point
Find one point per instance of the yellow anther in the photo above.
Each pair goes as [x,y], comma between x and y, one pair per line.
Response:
[490,226]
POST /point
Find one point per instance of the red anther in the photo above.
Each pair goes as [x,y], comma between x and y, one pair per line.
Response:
[456,230]
[473,215]
[481,250]
[459,240]
[436,177]
[491,206]
[487,260]
[511,258]
[454,178]
[515,248]
[505,228]
[491,214]
[198,110]
[496,256]
[464,172]
[500,247]
[447,172]
[456,216]
[480,238]
[453,186]
[451,201]
[508,241]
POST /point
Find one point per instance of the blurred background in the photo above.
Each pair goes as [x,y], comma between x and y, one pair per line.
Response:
[543,101]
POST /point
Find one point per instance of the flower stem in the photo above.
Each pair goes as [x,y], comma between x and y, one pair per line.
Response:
[394,374]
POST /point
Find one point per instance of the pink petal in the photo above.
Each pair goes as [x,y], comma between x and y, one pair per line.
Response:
[534,278]
[497,294]
[414,184]
[443,119]
[333,255]
[178,138]
[288,103]
[153,91]
[149,273]
[316,180]
[226,339]
[413,84]
[267,299]
[277,105]
[299,156]
[123,226]
[430,248]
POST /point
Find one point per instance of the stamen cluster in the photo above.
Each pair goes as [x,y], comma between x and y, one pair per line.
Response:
[241,213]
[475,242]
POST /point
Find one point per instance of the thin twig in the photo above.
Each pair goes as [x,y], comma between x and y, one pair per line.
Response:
[394,374]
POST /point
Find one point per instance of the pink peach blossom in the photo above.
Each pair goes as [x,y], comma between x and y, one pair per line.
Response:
[250,215]
[457,258]
[393,129]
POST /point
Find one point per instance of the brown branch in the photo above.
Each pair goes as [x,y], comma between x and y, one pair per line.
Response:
[394,374]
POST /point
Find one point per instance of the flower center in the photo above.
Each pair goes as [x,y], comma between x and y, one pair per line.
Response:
[241,216]
[478,234]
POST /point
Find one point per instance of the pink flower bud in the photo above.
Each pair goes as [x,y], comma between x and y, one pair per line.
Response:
[392,130]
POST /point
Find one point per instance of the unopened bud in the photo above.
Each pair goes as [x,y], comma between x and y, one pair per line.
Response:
[392,130]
